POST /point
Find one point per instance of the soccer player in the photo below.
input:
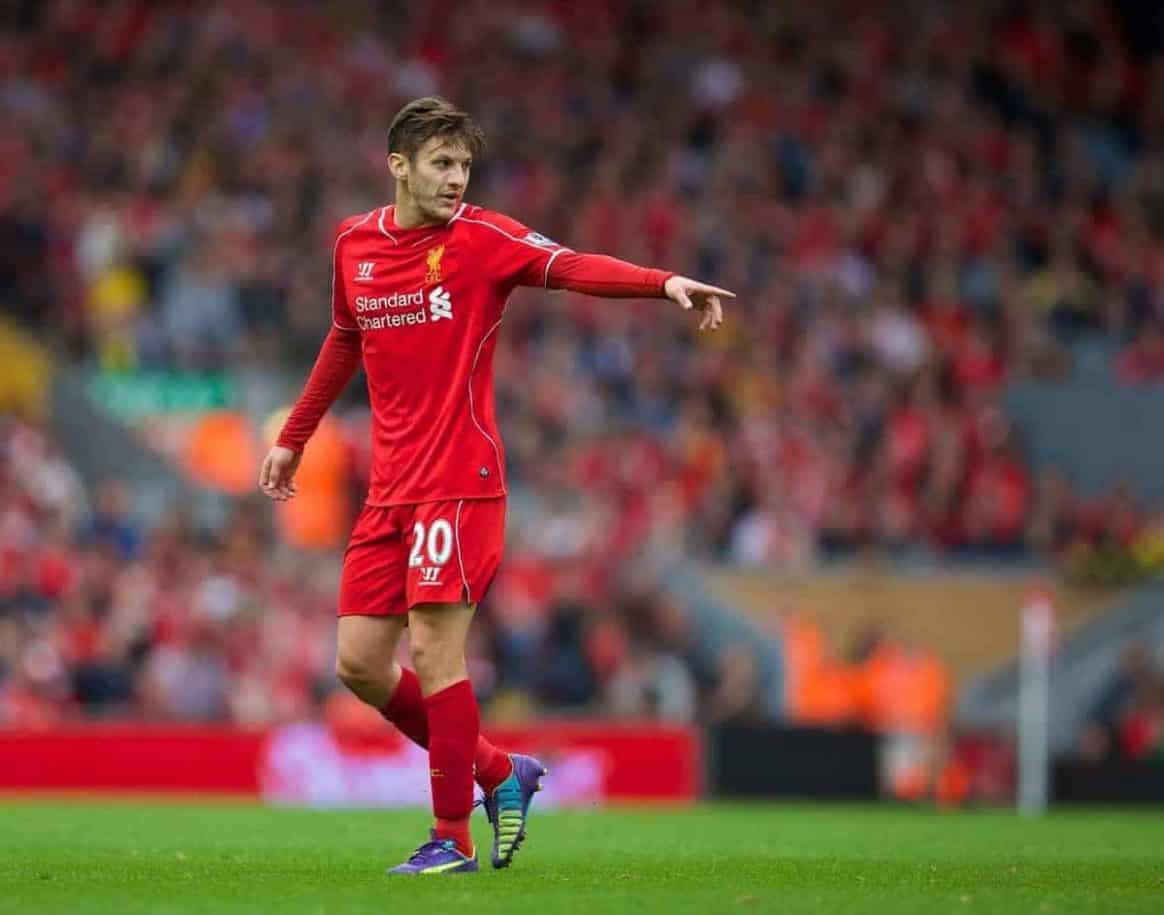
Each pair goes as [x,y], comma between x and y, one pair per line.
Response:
[418,292]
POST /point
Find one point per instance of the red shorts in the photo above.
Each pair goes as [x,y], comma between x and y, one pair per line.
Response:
[434,552]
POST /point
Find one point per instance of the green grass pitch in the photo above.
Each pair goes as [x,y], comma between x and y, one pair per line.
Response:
[136,857]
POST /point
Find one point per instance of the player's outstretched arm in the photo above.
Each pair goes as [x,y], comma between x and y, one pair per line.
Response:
[338,359]
[598,274]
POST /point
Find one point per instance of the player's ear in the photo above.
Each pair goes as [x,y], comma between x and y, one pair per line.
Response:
[398,166]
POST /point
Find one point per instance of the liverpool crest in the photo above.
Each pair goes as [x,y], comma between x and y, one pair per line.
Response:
[434,264]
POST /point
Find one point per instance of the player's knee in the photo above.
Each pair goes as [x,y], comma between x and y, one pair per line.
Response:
[426,657]
[422,654]
[435,660]
[355,671]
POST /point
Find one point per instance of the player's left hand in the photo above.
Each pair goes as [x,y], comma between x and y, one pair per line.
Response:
[692,294]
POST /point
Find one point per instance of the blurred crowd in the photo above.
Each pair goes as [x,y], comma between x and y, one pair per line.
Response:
[102,617]
[913,209]
[1127,720]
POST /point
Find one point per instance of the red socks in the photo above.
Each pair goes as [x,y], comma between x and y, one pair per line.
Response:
[447,724]
[453,725]
[406,710]
[492,765]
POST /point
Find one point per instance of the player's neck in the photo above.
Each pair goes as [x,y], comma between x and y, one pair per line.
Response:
[407,215]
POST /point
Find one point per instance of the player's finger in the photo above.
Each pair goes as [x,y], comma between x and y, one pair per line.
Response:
[265,473]
[684,299]
[708,289]
[716,311]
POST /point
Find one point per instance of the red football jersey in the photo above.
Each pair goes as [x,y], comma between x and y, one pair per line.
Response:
[427,303]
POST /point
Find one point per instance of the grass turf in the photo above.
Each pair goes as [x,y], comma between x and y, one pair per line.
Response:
[80,857]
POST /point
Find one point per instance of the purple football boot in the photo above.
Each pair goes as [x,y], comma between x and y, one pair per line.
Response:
[508,806]
[437,856]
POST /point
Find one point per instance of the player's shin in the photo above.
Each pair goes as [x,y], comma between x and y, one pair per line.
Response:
[406,710]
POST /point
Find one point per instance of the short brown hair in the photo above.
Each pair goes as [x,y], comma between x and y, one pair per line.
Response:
[432,116]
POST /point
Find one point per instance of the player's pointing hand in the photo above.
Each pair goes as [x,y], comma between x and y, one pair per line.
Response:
[277,478]
[692,294]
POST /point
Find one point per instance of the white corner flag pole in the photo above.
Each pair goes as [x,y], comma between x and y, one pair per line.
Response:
[1037,632]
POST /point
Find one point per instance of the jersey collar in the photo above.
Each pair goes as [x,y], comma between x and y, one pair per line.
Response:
[388,227]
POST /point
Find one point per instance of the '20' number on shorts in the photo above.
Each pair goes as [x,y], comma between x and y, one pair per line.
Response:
[438,543]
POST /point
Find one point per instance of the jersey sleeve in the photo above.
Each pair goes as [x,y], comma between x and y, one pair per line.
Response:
[341,313]
[609,277]
[338,359]
[520,256]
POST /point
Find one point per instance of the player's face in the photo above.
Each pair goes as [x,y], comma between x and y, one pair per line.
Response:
[437,178]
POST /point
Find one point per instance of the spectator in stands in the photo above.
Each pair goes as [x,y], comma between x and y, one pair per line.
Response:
[652,684]
[563,675]
[1142,734]
[112,525]
[1143,361]
[1125,720]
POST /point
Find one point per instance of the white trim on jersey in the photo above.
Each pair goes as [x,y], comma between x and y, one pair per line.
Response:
[416,241]
[546,278]
[460,560]
[334,256]
[472,407]
[384,231]
[481,222]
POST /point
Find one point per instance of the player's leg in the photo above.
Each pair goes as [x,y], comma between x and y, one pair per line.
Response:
[372,608]
[455,552]
[454,549]
[461,553]
[437,637]
[405,709]
[372,588]
[365,648]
